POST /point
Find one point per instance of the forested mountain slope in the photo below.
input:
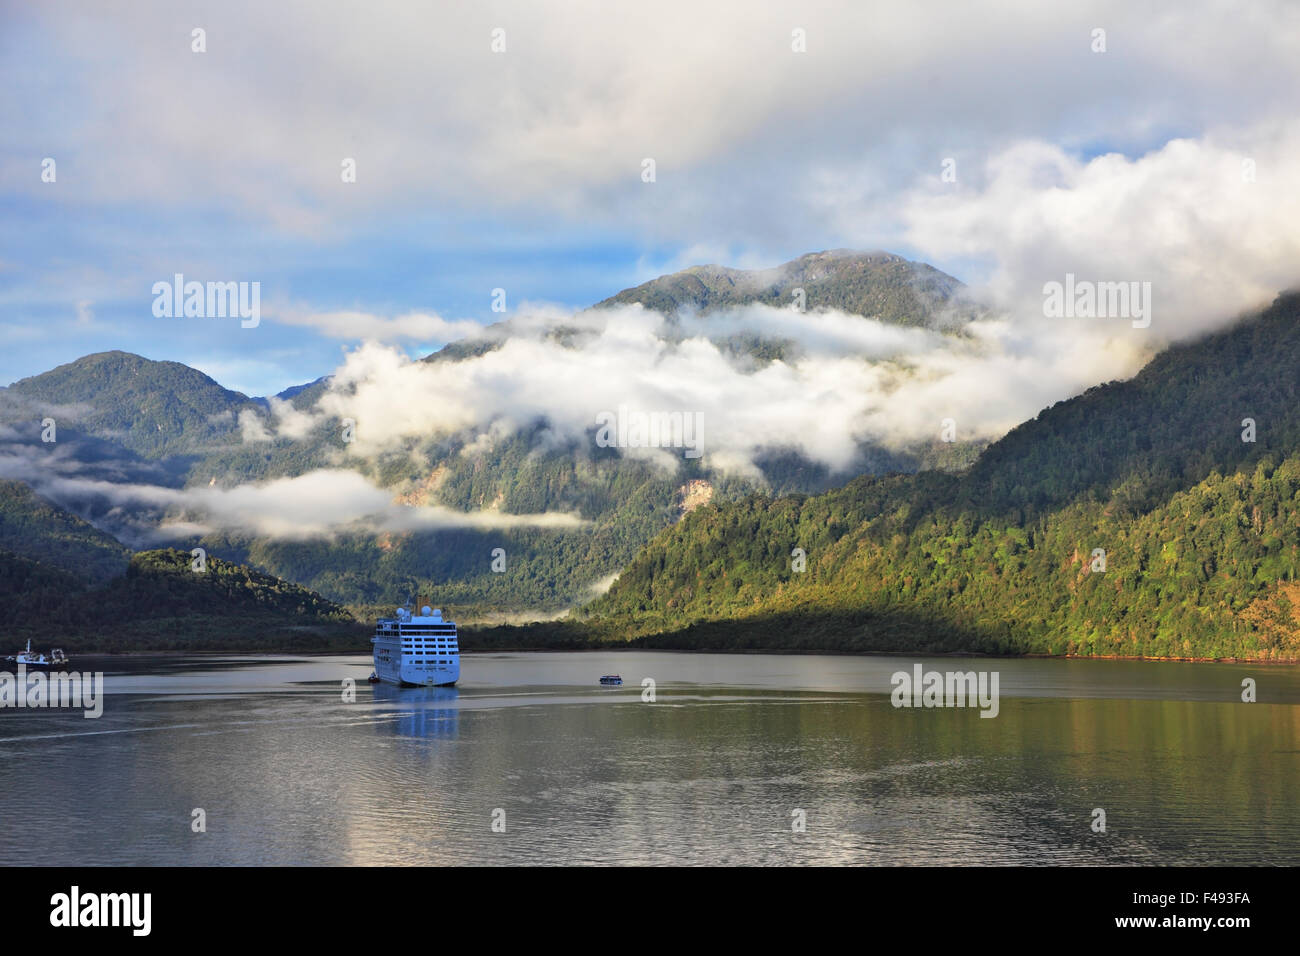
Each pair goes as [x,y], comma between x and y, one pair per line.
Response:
[1200,529]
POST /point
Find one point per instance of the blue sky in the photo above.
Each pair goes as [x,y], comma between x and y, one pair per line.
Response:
[418,263]
[521,170]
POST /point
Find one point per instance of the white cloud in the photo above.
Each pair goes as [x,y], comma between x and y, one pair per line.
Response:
[317,504]
[289,421]
[414,326]
[251,427]
[327,502]
[849,380]
[746,133]
[1185,218]
[757,149]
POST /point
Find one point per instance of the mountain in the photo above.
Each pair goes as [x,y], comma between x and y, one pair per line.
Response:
[124,420]
[1200,531]
[161,603]
[34,528]
[154,409]
[64,580]
[1199,527]
[30,592]
[295,390]
[872,284]
[875,285]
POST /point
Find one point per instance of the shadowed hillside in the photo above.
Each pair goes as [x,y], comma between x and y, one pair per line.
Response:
[1200,529]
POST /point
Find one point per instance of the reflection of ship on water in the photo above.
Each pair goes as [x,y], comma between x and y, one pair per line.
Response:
[420,711]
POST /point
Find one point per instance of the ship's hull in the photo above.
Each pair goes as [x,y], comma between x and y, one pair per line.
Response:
[420,675]
[44,667]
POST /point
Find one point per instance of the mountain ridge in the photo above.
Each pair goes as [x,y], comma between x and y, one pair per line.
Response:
[1198,529]
[156,408]
[876,284]
[148,409]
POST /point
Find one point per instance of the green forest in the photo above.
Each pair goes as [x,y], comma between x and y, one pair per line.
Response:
[1154,517]
[162,603]
[1200,529]
[129,420]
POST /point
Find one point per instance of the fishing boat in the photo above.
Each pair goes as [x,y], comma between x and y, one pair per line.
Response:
[35,661]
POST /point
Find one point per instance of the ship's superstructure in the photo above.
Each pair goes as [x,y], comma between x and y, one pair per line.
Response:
[417,649]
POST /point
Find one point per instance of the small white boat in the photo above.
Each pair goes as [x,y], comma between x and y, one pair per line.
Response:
[35,661]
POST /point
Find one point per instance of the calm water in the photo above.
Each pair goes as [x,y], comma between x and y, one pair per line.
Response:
[288,773]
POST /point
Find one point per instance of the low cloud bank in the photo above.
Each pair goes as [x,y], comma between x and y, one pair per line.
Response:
[318,504]
[842,380]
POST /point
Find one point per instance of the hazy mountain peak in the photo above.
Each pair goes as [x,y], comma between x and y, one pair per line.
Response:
[153,407]
[80,379]
[874,284]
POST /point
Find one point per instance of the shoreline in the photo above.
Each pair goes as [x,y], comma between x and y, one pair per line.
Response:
[624,648]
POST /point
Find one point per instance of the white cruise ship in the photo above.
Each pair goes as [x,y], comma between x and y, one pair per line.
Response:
[416,649]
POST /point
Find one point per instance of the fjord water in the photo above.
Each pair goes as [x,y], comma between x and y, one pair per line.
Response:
[286,772]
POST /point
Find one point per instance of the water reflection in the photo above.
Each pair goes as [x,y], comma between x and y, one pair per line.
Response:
[419,711]
[291,769]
